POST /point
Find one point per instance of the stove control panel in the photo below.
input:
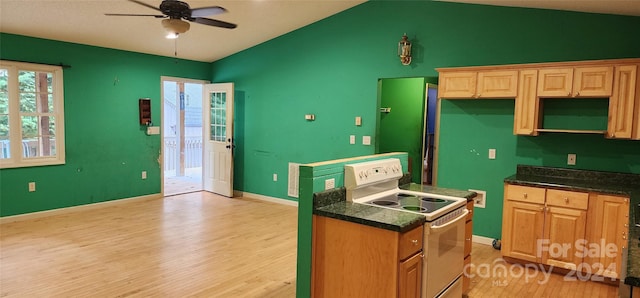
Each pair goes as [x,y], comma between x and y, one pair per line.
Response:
[371,172]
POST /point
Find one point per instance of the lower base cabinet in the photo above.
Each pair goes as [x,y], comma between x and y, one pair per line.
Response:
[355,260]
[581,231]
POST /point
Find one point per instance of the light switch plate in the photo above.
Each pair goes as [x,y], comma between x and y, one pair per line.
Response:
[571,159]
[358,121]
[492,153]
[352,139]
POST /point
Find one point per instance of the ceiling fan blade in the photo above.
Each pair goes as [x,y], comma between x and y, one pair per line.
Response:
[135,15]
[145,4]
[212,22]
[207,11]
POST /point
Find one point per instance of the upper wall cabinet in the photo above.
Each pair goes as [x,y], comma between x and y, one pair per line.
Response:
[616,80]
[575,82]
[622,102]
[478,84]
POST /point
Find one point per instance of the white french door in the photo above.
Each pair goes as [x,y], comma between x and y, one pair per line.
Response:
[218,138]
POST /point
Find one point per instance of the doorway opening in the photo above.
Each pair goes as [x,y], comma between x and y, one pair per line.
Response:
[407,122]
[182,139]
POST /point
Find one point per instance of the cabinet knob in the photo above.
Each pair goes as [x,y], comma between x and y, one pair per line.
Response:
[541,208]
[525,195]
[569,94]
[566,200]
[577,93]
[415,242]
[626,225]
[468,239]
[624,237]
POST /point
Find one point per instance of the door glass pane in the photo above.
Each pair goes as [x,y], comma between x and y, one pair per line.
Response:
[218,108]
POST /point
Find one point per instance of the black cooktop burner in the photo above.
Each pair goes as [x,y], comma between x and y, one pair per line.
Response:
[385,203]
[411,202]
[415,208]
[435,200]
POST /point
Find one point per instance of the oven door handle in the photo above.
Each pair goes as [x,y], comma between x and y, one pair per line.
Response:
[438,228]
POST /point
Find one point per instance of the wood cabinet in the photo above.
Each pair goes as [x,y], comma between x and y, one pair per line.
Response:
[354,260]
[616,80]
[592,81]
[536,220]
[622,105]
[565,223]
[468,242]
[526,117]
[565,229]
[609,229]
[522,222]
[483,84]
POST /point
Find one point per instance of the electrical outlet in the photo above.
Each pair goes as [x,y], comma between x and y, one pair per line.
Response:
[366,140]
[571,159]
[32,186]
[144,175]
[275,177]
[352,139]
[492,153]
[330,183]
[480,201]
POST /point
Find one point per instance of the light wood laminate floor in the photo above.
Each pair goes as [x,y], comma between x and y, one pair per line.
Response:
[196,244]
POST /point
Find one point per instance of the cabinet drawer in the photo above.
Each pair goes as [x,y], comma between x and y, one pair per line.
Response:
[525,194]
[569,199]
[410,242]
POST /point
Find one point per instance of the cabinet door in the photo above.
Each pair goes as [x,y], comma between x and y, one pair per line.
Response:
[522,227]
[563,226]
[592,81]
[459,84]
[609,222]
[497,84]
[621,103]
[410,277]
[555,82]
[526,116]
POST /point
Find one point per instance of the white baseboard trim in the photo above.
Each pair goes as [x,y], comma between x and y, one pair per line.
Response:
[482,240]
[46,213]
[265,198]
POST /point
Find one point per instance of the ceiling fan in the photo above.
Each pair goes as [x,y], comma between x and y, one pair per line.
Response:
[175,12]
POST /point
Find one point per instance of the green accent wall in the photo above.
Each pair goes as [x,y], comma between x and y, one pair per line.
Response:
[331,69]
[106,148]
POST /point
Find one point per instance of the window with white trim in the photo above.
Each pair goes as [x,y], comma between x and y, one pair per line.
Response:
[31,115]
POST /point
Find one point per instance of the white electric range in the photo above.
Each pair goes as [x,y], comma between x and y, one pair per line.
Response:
[375,183]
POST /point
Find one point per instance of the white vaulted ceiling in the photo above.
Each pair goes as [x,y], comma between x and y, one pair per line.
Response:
[84,22]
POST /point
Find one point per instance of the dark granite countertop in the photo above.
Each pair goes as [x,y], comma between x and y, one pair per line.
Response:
[592,181]
[332,203]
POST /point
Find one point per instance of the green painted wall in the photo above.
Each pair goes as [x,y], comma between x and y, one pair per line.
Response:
[402,129]
[106,148]
[331,68]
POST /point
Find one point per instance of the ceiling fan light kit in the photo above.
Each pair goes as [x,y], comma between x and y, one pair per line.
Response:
[175,27]
[175,15]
